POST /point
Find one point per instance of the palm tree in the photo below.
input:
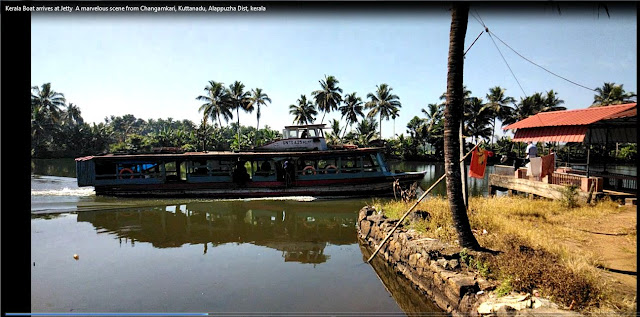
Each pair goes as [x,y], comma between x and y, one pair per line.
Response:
[238,99]
[328,98]
[500,105]
[72,116]
[433,114]
[259,98]
[551,102]
[366,131]
[304,111]
[351,110]
[382,103]
[478,117]
[612,94]
[452,116]
[47,100]
[216,104]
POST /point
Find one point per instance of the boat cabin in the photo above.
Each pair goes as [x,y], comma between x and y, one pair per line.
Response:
[309,137]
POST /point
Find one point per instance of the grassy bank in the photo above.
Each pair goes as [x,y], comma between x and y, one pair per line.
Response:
[544,246]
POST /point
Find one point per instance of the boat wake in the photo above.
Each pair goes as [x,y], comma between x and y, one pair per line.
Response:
[77,192]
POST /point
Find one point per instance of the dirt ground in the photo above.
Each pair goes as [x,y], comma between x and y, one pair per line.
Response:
[612,240]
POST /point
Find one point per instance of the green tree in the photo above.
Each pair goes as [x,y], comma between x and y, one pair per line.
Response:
[49,101]
[238,99]
[216,105]
[382,103]
[351,110]
[328,98]
[452,115]
[304,112]
[478,118]
[612,94]
[500,105]
[258,98]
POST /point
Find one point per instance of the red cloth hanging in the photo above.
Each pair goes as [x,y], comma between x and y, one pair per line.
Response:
[478,163]
[548,165]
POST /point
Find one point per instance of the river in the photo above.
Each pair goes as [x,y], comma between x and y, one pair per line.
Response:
[210,256]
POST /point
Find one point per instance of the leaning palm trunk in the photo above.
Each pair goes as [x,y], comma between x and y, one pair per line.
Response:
[452,118]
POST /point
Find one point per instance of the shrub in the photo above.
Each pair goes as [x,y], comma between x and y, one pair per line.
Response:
[570,196]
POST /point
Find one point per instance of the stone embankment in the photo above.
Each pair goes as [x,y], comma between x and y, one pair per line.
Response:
[436,269]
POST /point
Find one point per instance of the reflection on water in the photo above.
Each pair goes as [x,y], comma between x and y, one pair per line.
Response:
[301,234]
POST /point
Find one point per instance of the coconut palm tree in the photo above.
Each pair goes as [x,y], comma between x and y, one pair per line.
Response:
[452,117]
[238,99]
[351,110]
[215,104]
[72,116]
[612,94]
[433,113]
[328,98]
[551,102]
[366,131]
[49,101]
[382,103]
[478,117]
[304,111]
[500,105]
[259,98]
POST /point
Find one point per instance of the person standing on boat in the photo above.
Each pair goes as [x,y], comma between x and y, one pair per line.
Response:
[289,171]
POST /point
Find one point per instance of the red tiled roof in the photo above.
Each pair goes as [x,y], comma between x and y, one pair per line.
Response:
[551,134]
[572,117]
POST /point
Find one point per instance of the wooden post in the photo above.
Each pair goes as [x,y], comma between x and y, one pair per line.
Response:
[414,206]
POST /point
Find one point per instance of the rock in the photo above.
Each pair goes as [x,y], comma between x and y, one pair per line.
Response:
[413,259]
[365,212]
[365,228]
[461,285]
[506,311]
[454,264]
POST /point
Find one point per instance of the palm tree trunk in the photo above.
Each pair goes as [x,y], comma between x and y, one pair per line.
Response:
[380,125]
[238,127]
[452,115]
[493,133]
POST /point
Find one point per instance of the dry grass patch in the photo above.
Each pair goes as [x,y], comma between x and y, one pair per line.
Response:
[538,239]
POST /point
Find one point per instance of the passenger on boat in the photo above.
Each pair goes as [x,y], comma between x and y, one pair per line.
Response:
[289,171]
[305,134]
[240,175]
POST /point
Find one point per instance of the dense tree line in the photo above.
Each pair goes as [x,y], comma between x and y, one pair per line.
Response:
[58,129]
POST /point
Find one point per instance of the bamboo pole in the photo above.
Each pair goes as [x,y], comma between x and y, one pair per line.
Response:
[416,204]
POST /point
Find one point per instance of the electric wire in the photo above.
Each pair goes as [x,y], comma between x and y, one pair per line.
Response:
[550,72]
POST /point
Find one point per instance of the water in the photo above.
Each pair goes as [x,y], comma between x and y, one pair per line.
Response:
[296,254]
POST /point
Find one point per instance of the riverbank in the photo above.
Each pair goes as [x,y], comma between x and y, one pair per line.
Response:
[581,258]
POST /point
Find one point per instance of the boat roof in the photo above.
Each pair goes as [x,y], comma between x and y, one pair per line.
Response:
[305,126]
[225,154]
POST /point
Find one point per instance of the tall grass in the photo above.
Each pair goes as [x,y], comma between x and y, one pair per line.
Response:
[516,226]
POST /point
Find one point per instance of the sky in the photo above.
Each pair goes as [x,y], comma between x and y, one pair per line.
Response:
[154,65]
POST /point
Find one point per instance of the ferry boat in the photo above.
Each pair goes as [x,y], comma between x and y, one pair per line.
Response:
[299,164]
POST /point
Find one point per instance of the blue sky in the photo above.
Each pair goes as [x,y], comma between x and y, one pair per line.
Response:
[155,65]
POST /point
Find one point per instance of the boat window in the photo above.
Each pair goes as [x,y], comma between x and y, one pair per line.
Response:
[328,165]
[307,166]
[350,164]
[127,170]
[370,163]
[264,168]
[198,168]
[219,167]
